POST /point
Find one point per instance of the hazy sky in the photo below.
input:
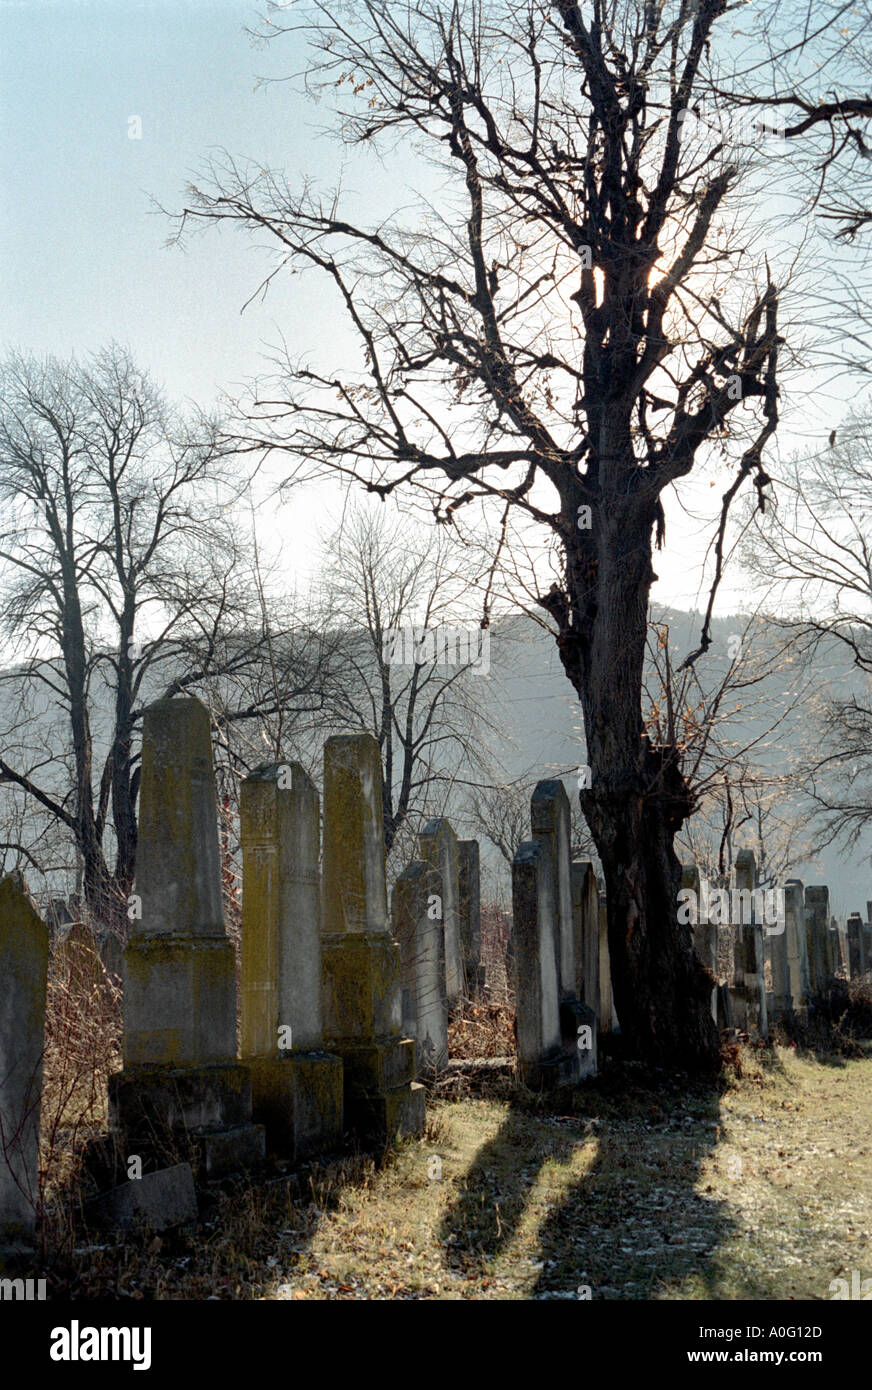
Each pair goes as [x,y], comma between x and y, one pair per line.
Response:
[83,252]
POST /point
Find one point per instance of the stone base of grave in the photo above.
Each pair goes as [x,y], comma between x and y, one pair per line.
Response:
[362,1021]
[155,1110]
[156,1201]
[179,1000]
[360,974]
[397,1114]
[548,1073]
[575,1016]
[382,1099]
[298,1099]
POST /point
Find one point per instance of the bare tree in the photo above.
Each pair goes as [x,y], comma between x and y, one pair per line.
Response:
[411,663]
[813,555]
[124,578]
[568,339]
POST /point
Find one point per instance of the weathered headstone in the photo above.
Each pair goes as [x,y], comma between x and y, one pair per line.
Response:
[585,909]
[817,911]
[155,1202]
[797,946]
[75,956]
[297,1086]
[854,929]
[23,973]
[361,961]
[416,908]
[181,1076]
[437,845]
[779,959]
[841,932]
[704,932]
[541,1060]
[469,892]
[749,989]
[550,825]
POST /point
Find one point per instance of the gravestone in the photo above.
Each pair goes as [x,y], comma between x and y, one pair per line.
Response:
[704,932]
[416,907]
[181,1079]
[360,962]
[749,989]
[437,845]
[817,910]
[469,896]
[585,908]
[76,957]
[797,946]
[782,995]
[23,975]
[550,825]
[854,931]
[297,1086]
[542,1061]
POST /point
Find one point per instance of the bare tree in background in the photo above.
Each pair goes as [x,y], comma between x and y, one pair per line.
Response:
[813,555]
[802,72]
[433,720]
[124,577]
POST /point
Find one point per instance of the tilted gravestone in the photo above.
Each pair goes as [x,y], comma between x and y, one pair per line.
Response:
[23,974]
[297,1086]
[181,1077]
[360,962]
[416,909]
[437,845]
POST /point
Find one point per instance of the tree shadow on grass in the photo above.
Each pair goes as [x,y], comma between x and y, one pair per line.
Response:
[638,1219]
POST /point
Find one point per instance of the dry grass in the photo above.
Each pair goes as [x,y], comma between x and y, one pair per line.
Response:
[637,1186]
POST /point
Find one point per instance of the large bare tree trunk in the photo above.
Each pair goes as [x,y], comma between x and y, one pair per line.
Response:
[638,799]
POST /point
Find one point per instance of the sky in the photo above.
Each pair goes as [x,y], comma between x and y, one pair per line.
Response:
[83,248]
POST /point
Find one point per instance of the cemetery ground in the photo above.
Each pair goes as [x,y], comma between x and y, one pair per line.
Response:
[637,1185]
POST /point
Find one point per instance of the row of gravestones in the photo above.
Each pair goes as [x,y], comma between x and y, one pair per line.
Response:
[334,994]
[560,955]
[322,1046]
[784,949]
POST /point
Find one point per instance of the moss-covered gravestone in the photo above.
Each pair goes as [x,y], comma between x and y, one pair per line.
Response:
[181,1078]
[296,1085]
[360,961]
[23,973]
